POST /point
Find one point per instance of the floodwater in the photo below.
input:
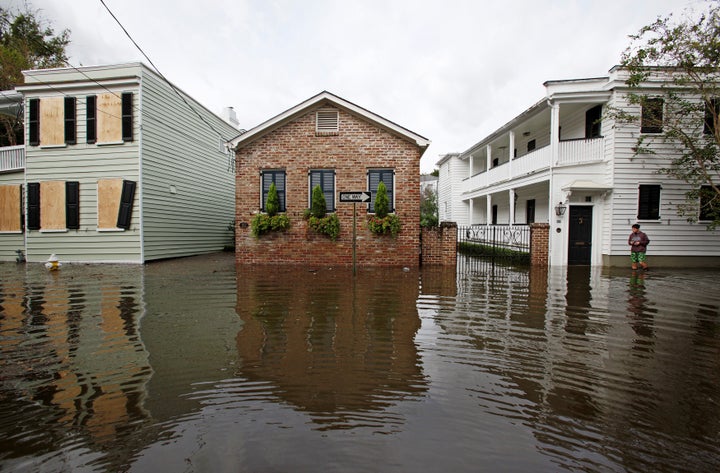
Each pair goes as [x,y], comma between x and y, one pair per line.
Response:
[193,365]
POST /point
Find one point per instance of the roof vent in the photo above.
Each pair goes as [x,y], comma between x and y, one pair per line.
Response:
[327,121]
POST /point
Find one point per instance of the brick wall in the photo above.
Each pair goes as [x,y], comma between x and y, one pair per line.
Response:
[359,146]
[439,245]
[539,244]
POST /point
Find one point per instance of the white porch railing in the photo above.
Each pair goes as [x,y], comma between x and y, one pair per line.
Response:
[12,158]
[569,152]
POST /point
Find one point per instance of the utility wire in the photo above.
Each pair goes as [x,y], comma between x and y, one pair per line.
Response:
[161,74]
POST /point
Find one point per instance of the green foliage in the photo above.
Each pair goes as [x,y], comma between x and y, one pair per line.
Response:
[382,202]
[272,206]
[26,42]
[689,51]
[318,208]
[428,208]
[511,256]
[264,223]
[329,225]
[384,225]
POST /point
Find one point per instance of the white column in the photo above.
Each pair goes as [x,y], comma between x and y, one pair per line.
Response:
[470,168]
[489,157]
[554,132]
[471,209]
[511,196]
[488,215]
[511,152]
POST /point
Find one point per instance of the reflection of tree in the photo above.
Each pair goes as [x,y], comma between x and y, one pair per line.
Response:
[333,344]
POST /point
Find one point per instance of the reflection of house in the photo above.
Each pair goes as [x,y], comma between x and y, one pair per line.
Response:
[565,154]
[120,166]
[330,142]
[332,344]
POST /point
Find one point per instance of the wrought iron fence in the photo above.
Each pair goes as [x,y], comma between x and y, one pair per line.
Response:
[511,242]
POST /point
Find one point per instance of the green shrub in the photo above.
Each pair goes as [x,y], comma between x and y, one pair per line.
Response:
[264,223]
[383,225]
[272,206]
[382,203]
[318,207]
[329,225]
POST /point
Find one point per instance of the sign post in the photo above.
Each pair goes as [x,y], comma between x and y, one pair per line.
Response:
[354,197]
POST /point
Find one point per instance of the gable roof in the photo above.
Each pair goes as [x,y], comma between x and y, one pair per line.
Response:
[321,99]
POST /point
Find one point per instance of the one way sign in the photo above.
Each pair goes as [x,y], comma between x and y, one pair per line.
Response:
[354,197]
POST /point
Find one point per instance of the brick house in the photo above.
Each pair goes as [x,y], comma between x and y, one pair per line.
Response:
[342,147]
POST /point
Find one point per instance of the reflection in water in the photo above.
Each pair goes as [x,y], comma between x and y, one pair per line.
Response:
[335,348]
[192,365]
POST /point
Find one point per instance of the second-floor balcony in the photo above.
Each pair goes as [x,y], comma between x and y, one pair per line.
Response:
[12,158]
[569,153]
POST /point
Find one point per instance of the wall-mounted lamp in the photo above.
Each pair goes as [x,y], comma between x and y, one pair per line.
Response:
[560,209]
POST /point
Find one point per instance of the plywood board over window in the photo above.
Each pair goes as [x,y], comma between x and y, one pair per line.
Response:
[52,121]
[109,118]
[109,193]
[52,205]
[10,217]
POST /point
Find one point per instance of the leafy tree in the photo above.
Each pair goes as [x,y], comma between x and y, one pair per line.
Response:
[319,207]
[382,202]
[272,206]
[429,208]
[687,117]
[27,41]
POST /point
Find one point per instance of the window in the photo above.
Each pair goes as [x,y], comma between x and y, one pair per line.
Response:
[530,211]
[649,202]
[325,178]
[115,203]
[592,122]
[51,121]
[53,205]
[387,176]
[327,121]
[651,120]
[709,203]
[90,119]
[269,177]
[495,162]
[712,110]
[530,145]
[113,117]
[11,208]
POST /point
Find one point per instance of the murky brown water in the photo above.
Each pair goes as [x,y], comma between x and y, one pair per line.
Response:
[188,365]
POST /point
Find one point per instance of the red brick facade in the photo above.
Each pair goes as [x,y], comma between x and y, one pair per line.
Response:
[539,244]
[439,245]
[295,147]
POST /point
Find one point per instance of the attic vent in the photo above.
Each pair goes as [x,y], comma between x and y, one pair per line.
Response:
[327,122]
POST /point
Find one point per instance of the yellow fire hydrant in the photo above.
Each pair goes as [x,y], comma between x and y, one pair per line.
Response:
[52,263]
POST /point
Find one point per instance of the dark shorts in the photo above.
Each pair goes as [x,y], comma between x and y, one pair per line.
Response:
[637,256]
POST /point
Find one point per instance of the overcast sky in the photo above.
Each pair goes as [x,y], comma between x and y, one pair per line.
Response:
[452,71]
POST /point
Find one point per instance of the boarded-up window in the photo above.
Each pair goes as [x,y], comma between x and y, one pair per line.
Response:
[114,117]
[109,193]
[10,208]
[52,121]
[52,205]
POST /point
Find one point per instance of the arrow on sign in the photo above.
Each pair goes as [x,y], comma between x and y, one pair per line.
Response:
[360,196]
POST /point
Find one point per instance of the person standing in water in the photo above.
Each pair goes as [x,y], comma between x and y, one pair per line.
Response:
[638,242]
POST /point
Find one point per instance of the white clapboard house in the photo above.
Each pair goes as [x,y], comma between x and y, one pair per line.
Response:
[118,166]
[566,162]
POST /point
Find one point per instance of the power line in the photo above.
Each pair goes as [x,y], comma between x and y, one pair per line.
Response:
[161,74]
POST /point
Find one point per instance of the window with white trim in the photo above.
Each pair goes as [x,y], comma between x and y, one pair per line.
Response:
[649,202]
[387,176]
[325,178]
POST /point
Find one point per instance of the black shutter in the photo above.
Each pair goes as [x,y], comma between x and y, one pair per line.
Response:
[91,119]
[127,116]
[70,127]
[34,122]
[126,204]
[72,205]
[33,206]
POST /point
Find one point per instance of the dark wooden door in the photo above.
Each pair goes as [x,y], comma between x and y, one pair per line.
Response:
[580,235]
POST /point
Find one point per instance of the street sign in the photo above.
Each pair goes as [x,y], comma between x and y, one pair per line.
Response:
[355,197]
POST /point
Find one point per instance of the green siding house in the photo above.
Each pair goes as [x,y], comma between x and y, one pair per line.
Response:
[120,167]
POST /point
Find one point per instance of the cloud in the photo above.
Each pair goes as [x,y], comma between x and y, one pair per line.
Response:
[452,71]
